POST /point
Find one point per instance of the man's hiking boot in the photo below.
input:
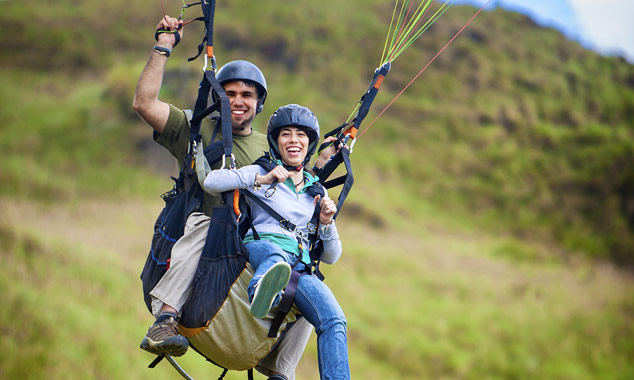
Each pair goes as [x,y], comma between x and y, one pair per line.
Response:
[268,287]
[162,337]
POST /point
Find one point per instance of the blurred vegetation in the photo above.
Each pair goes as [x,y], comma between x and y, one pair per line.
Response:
[515,139]
[513,123]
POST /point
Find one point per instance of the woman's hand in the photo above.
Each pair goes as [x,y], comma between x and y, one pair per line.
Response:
[278,173]
[328,209]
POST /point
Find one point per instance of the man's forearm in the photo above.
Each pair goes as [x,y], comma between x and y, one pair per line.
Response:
[146,101]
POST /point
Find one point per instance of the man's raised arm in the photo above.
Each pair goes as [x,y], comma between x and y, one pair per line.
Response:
[146,102]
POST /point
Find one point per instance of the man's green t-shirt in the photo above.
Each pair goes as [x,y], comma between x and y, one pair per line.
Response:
[175,138]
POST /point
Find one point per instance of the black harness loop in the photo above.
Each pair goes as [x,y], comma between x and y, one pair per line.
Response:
[343,156]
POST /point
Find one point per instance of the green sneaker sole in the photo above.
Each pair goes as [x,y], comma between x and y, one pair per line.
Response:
[273,282]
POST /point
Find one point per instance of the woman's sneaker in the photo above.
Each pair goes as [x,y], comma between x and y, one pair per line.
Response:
[268,287]
[163,338]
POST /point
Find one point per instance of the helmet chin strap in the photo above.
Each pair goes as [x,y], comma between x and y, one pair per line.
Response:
[274,156]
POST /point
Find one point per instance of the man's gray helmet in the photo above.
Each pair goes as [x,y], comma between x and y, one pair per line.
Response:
[244,71]
[293,115]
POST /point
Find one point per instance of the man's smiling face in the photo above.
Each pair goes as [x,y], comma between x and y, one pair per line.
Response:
[243,99]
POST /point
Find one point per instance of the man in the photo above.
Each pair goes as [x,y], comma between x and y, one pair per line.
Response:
[246,89]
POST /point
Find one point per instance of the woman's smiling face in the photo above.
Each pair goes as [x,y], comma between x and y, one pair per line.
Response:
[293,144]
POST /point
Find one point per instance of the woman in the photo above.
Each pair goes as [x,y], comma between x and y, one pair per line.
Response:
[293,134]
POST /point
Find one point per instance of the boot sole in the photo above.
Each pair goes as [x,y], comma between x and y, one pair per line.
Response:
[174,346]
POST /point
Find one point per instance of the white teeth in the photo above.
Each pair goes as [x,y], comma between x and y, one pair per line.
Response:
[238,112]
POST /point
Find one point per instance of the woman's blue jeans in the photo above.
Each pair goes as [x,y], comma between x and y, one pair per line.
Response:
[316,303]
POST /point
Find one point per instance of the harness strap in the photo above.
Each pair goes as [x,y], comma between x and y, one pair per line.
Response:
[285,223]
[366,100]
[209,10]
[200,116]
[285,303]
[225,112]
[199,108]
[208,84]
[347,180]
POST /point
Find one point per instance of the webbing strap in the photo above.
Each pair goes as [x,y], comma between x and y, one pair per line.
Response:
[368,97]
[225,111]
[346,131]
[285,223]
[199,108]
[209,9]
[200,116]
[208,84]
[285,303]
[347,180]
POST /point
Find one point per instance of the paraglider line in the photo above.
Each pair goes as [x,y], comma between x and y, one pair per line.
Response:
[424,68]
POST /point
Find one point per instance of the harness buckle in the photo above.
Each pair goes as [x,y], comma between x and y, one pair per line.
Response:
[301,234]
[287,225]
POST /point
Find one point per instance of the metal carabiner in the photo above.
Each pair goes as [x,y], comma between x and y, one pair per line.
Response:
[194,151]
[354,141]
[269,195]
[311,227]
[213,63]
[224,161]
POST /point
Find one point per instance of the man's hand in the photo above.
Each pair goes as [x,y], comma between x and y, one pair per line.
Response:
[168,40]
[327,153]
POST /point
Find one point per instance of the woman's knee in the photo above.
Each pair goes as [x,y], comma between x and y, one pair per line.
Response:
[335,323]
[260,250]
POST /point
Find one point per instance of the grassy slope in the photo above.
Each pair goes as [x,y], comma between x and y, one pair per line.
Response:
[73,308]
[491,291]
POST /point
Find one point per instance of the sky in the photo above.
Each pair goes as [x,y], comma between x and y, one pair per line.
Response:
[605,26]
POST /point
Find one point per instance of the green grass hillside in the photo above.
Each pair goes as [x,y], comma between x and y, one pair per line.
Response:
[437,301]
[489,235]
